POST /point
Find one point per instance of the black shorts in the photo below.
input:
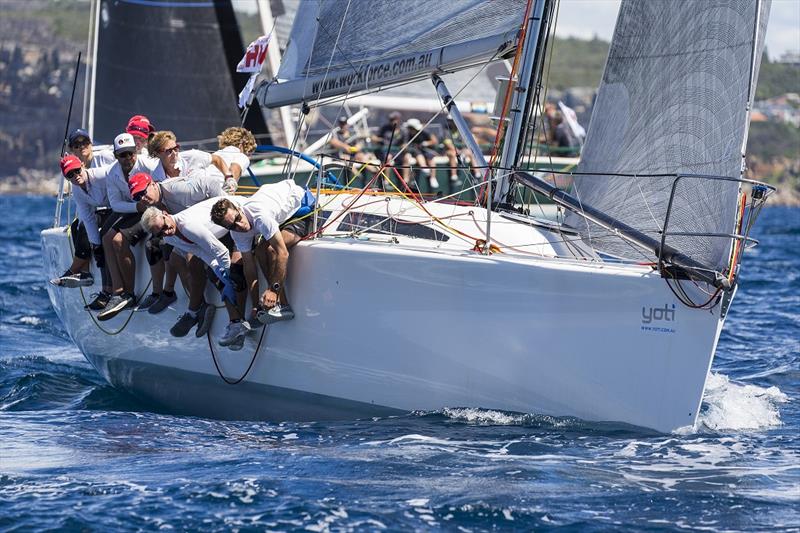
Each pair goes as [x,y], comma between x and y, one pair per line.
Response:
[128,224]
[301,227]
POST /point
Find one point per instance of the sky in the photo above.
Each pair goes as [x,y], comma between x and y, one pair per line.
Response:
[586,18]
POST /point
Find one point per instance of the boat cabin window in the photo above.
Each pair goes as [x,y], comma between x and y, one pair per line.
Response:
[354,221]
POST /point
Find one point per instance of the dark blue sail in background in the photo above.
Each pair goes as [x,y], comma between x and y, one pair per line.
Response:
[174,61]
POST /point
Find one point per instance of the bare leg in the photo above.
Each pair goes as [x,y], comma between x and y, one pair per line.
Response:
[176,266]
[127,263]
[79,265]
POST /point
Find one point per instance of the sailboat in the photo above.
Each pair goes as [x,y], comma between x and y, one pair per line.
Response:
[611,313]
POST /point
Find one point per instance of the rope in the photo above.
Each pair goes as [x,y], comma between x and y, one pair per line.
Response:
[249,367]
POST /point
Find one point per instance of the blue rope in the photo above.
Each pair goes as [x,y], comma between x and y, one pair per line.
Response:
[330,178]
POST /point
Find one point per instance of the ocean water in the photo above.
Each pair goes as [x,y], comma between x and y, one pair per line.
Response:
[76,454]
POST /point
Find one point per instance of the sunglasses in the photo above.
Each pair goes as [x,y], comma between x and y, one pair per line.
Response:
[80,144]
[72,174]
[139,129]
[139,195]
[236,220]
[125,155]
[170,151]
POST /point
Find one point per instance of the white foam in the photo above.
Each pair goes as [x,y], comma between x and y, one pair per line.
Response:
[31,320]
[734,406]
[482,416]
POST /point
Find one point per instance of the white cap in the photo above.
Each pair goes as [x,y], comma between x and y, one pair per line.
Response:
[124,143]
[413,123]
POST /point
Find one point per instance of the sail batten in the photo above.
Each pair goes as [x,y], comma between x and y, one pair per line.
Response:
[342,47]
[674,99]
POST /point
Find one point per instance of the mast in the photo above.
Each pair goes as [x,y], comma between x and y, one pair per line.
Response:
[521,100]
[93,83]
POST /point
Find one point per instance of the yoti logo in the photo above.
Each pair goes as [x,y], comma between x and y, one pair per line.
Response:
[654,314]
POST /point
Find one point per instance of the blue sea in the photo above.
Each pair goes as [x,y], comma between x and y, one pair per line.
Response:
[76,454]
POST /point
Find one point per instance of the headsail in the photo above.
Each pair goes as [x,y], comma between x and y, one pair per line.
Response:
[348,46]
[674,99]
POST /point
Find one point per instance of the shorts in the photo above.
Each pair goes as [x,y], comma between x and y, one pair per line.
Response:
[156,249]
[300,227]
[426,152]
[128,224]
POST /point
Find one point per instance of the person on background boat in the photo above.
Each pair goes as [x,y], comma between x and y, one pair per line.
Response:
[91,201]
[420,150]
[173,196]
[140,128]
[279,214]
[121,229]
[80,144]
[344,144]
[202,242]
[236,145]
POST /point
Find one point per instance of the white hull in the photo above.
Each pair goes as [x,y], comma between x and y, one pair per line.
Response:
[383,328]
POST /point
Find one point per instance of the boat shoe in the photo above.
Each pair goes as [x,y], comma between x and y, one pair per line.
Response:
[72,280]
[206,318]
[164,301]
[234,332]
[117,303]
[275,314]
[184,324]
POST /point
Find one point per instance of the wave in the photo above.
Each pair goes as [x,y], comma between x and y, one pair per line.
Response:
[731,406]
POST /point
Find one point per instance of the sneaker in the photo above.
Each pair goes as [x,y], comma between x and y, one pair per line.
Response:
[100,301]
[184,324]
[71,281]
[434,183]
[206,318]
[275,314]
[117,303]
[233,332]
[164,301]
[147,302]
[237,344]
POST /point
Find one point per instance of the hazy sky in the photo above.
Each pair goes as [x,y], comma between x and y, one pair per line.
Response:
[585,18]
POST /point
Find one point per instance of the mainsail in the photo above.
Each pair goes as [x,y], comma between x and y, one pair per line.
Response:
[171,61]
[348,46]
[674,99]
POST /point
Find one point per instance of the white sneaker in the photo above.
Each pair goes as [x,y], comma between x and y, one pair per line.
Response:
[275,314]
[433,182]
[233,332]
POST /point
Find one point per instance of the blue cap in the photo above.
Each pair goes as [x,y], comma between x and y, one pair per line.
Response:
[77,134]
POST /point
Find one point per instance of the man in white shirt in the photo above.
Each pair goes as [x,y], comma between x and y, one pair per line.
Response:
[122,229]
[236,145]
[173,196]
[80,144]
[280,214]
[91,200]
[193,233]
[187,164]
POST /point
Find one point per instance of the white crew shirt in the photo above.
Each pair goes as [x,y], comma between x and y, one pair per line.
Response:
[179,193]
[87,201]
[199,236]
[229,154]
[189,163]
[267,209]
[119,194]
[102,158]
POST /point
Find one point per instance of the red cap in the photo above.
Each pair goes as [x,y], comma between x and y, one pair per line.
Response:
[139,128]
[69,163]
[138,182]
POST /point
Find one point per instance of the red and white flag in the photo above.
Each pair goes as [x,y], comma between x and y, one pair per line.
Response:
[255,55]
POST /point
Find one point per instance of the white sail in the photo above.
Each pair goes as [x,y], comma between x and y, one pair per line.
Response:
[674,99]
[344,47]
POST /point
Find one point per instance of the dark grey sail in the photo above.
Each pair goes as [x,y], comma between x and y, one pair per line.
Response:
[674,99]
[172,61]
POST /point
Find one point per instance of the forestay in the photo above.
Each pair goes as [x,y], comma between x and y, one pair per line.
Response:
[348,46]
[674,99]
